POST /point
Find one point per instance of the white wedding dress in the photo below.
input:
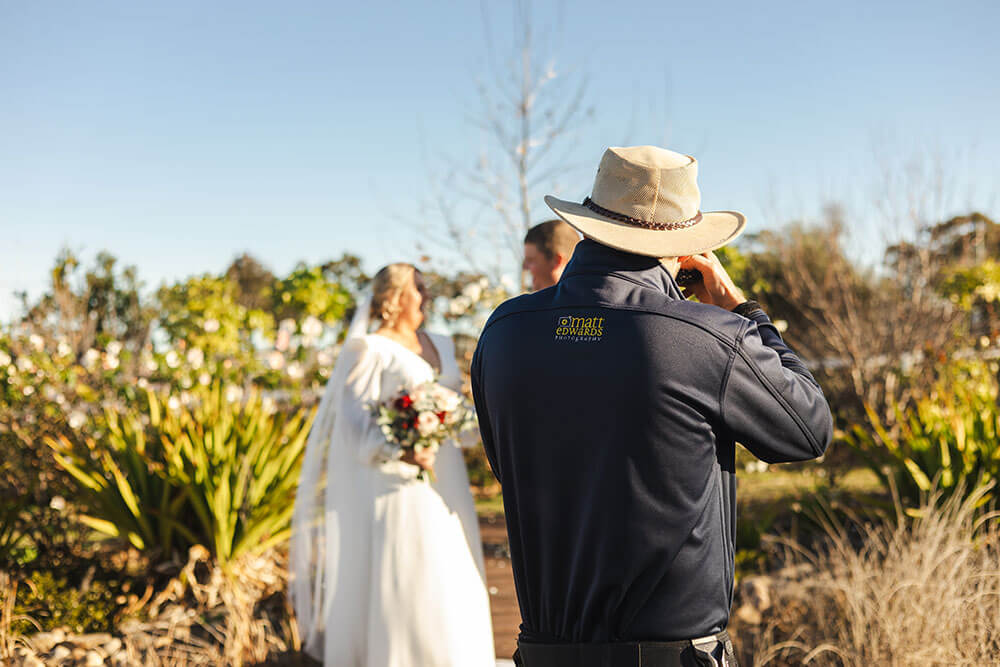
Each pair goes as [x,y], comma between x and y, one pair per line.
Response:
[387,569]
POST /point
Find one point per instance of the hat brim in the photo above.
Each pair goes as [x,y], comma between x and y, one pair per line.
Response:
[714,230]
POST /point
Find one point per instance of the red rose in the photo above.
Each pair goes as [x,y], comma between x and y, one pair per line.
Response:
[441,415]
[404,401]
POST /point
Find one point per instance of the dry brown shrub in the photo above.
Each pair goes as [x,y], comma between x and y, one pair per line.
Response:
[211,616]
[903,591]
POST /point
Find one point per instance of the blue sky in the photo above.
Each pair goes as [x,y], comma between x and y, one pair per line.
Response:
[177,135]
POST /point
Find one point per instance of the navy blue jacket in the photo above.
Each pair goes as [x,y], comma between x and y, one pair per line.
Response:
[609,407]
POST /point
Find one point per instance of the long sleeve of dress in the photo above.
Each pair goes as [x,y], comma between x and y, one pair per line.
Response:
[362,369]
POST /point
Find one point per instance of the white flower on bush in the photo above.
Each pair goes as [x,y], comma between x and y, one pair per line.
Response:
[325,357]
[312,327]
[282,340]
[110,362]
[114,348]
[173,359]
[781,325]
[287,324]
[142,383]
[149,364]
[211,325]
[233,393]
[36,342]
[295,370]
[64,349]
[49,392]
[28,390]
[473,292]
[24,365]
[195,357]
[4,358]
[76,420]
[58,503]
[275,360]
[427,423]
[204,379]
[174,403]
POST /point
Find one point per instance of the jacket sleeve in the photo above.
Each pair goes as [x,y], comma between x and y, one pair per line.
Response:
[482,413]
[360,373]
[770,402]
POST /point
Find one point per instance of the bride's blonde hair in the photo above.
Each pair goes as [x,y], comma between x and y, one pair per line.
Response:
[387,287]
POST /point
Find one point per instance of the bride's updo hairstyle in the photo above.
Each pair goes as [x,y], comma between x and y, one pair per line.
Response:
[387,286]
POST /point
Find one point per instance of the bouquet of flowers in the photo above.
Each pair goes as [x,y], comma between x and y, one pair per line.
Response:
[423,417]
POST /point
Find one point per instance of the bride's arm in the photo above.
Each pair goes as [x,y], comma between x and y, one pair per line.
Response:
[362,389]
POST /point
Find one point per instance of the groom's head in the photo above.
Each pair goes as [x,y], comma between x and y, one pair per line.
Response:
[547,249]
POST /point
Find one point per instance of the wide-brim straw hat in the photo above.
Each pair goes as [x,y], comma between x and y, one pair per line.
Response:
[646,201]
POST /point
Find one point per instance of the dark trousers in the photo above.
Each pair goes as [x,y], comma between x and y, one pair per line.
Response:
[713,651]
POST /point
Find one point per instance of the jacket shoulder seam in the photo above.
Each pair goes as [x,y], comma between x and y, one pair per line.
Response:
[777,395]
[728,373]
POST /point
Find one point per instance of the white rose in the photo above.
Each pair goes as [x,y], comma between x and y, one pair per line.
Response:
[427,423]
[173,359]
[114,348]
[204,379]
[211,326]
[295,370]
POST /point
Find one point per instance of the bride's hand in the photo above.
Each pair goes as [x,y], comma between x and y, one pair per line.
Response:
[423,458]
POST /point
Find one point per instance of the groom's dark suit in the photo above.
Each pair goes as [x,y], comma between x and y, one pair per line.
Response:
[609,407]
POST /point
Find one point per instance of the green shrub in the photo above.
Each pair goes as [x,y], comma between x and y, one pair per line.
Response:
[217,472]
[239,465]
[52,601]
[949,438]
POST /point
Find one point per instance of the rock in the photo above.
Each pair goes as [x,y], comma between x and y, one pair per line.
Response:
[92,641]
[94,659]
[44,641]
[755,598]
[113,647]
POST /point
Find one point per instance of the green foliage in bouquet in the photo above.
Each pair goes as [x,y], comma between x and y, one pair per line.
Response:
[949,439]
[220,473]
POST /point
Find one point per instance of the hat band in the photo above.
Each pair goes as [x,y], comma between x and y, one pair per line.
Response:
[636,222]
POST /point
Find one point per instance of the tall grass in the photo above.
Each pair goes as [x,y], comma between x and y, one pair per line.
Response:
[902,591]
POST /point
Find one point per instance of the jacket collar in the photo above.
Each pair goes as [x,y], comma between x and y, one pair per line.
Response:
[591,257]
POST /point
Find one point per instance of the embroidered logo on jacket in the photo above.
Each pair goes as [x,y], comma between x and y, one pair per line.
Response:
[579,329]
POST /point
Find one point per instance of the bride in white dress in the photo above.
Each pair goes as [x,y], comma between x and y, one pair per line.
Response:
[387,569]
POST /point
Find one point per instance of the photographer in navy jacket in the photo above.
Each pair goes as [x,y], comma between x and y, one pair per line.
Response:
[609,407]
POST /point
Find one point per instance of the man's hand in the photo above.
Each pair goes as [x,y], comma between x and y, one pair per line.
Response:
[715,286]
[423,458]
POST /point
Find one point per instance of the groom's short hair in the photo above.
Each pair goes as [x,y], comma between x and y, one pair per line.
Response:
[553,236]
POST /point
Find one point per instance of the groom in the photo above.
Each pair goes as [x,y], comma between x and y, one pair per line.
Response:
[609,407]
